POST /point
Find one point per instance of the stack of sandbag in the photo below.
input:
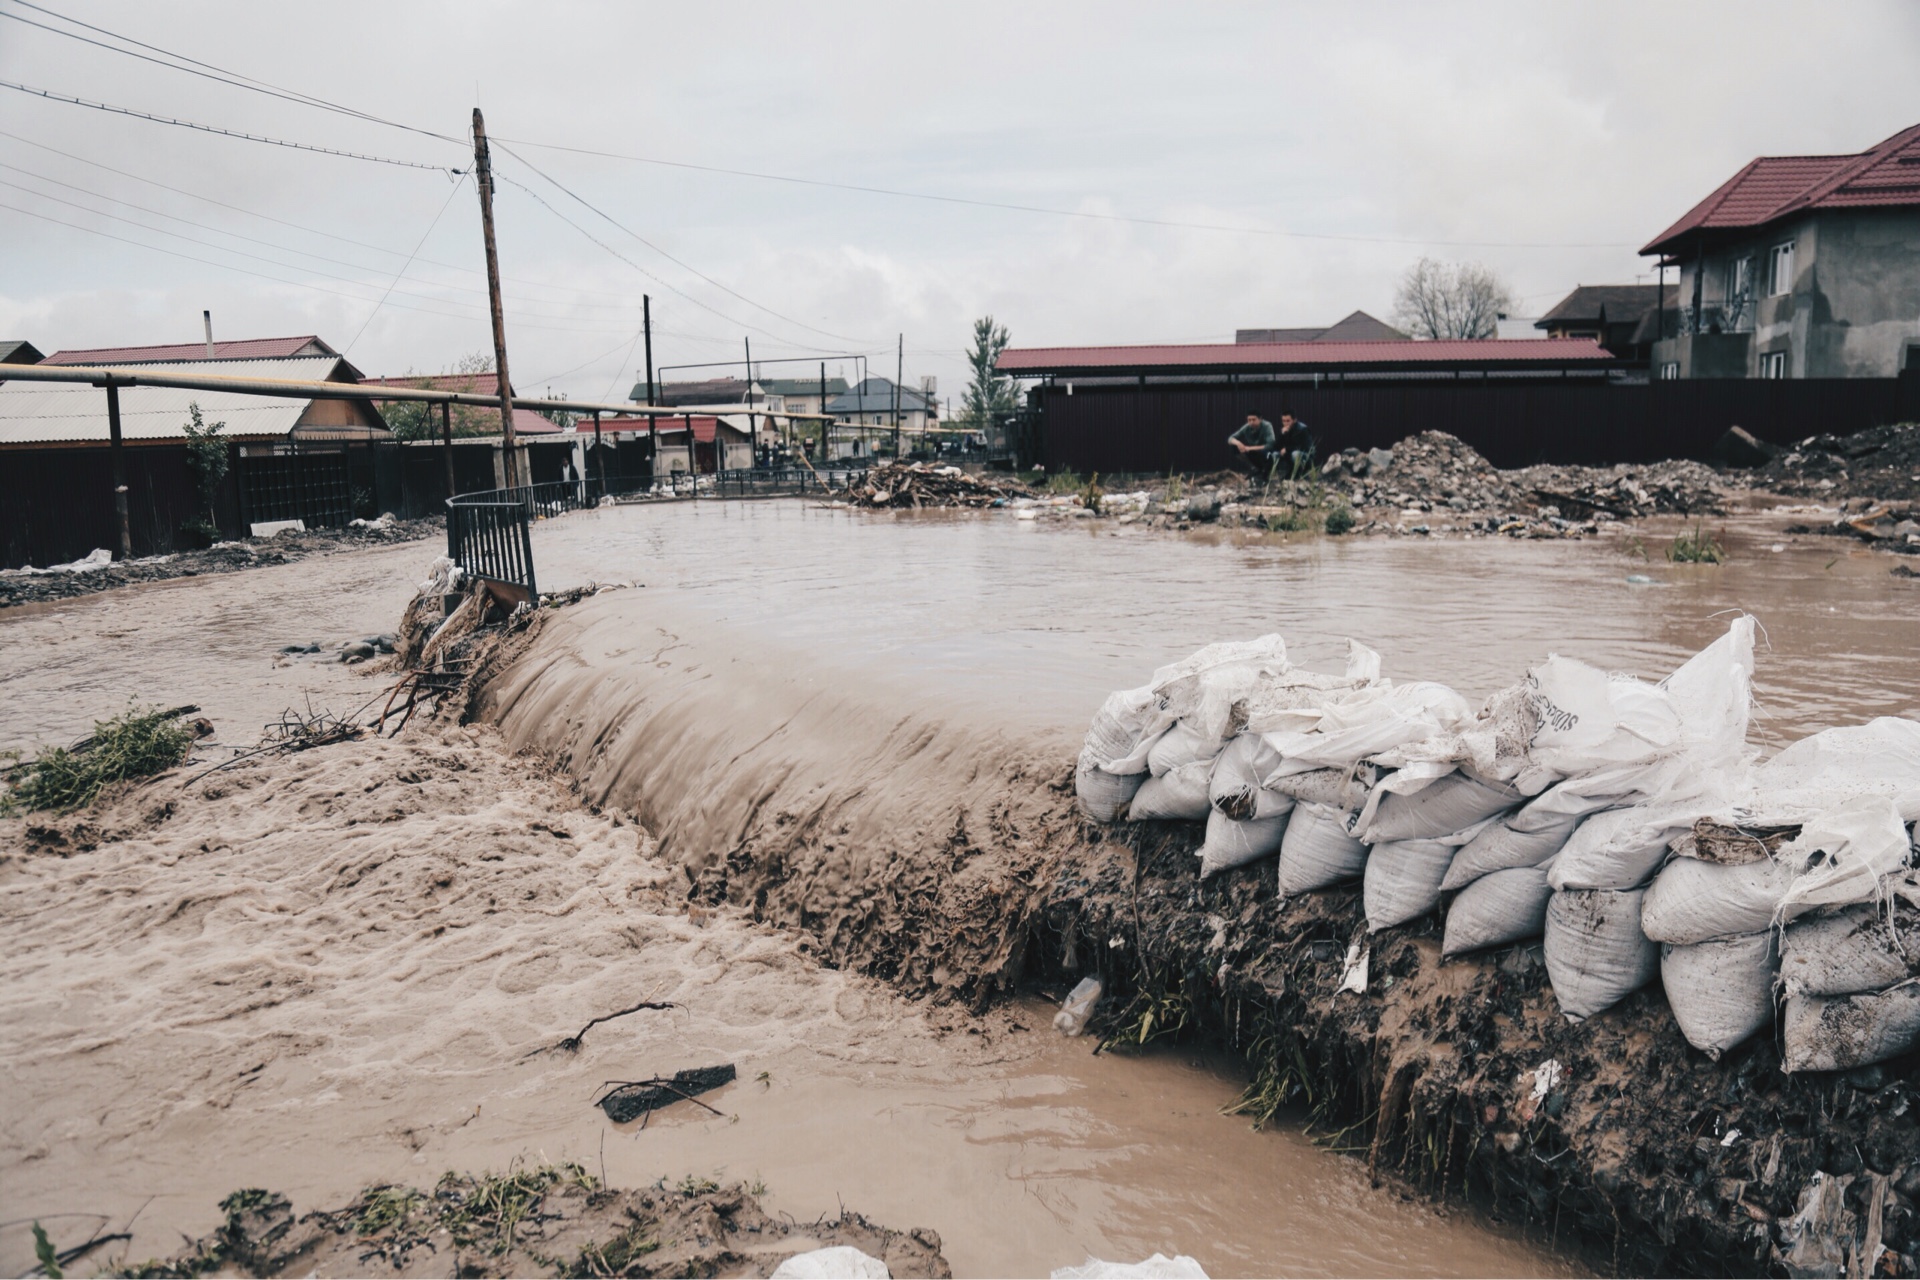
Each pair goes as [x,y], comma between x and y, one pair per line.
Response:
[1801,886]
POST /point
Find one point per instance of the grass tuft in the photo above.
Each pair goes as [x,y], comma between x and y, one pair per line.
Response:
[1696,546]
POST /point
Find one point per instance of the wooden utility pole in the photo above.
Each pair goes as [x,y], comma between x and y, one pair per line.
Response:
[899,371]
[646,327]
[118,450]
[753,427]
[483,179]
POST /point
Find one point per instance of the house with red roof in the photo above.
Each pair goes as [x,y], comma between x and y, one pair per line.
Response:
[1799,267]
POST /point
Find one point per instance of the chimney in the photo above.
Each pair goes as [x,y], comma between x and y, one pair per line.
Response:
[207,318]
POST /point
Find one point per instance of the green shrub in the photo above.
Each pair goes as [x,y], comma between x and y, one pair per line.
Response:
[133,745]
[1339,520]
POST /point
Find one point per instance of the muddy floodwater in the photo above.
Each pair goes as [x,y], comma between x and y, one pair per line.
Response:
[308,981]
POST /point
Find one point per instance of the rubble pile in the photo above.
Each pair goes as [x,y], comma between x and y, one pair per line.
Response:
[99,571]
[1434,471]
[1881,463]
[913,485]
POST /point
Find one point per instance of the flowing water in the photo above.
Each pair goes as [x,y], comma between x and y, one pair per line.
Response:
[777,652]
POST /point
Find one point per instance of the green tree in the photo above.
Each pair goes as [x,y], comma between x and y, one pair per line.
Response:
[989,393]
[207,459]
[418,420]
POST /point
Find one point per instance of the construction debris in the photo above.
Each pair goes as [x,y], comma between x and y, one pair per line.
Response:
[913,485]
[1881,463]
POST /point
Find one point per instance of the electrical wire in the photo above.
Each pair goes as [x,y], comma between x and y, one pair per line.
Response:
[298,284]
[51,96]
[670,258]
[236,79]
[1175,223]
[348,349]
[665,284]
[296,226]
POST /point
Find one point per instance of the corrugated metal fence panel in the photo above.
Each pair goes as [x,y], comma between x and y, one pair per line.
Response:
[1183,428]
[56,505]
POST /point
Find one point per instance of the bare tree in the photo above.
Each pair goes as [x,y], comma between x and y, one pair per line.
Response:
[1451,300]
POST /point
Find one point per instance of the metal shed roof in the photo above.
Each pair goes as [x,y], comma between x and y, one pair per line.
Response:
[196,352]
[73,413]
[1251,356]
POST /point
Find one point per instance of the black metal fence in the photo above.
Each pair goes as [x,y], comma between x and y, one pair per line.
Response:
[488,536]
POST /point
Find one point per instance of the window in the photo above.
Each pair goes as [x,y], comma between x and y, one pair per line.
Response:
[1773,364]
[1780,269]
[1670,371]
[1740,277]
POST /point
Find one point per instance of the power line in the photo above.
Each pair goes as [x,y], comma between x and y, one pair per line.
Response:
[1043,209]
[669,257]
[226,133]
[261,275]
[271,244]
[296,226]
[665,284]
[224,76]
[348,350]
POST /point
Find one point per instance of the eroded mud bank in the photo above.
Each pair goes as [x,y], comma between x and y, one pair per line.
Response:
[940,850]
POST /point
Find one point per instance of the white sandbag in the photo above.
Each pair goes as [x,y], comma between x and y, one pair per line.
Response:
[1158,1267]
[1183,743]
[1104,796]
[1496,910]
[1234,844]
[839,1262]
[1515,841]
[1596,952]
[1849,949]
[1448,804]
[1403,880]
[1695,901]
[1721,992]
[1318,851]
[1618,849]
[1180,795]
[1881,757]
[1234,788]
[1838,1033]
[1344,789]
[1844,855]
[1370,720]
[1118,729]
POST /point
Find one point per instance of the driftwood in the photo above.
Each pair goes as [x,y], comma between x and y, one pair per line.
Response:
[627,1100]
[572,1043]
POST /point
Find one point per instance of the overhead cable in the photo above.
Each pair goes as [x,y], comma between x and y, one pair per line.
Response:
[50,95]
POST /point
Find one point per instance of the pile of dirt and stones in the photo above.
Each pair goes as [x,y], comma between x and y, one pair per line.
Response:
[99,572]
[1882,464]
[555,1220]
[914,485]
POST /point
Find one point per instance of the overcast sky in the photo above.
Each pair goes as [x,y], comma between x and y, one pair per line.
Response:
[1336,143]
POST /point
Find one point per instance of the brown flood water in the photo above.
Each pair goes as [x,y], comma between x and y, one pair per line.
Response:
[394,1050]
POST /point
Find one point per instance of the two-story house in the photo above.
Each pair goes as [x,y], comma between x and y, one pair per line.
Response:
[1798,267]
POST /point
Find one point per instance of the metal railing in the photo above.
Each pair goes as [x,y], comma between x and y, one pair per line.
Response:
[488,536]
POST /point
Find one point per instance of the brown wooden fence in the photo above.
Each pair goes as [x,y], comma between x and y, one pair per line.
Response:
[1174,427]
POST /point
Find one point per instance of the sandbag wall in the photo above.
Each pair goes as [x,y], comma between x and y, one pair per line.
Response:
[1625,823]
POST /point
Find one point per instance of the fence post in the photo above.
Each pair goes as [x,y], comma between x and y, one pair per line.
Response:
[526,549]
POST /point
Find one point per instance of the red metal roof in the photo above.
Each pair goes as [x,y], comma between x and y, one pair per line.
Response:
[1244,355]
[1772,187]
[236,349]
[525,421]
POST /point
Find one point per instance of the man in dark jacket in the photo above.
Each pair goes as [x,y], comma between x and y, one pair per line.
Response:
[1294,449]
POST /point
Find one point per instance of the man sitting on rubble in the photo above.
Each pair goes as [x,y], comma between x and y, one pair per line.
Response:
[1254,442]
[1294,450]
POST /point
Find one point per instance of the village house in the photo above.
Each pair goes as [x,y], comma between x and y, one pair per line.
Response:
[1358,327]
[290,458]
[1799,267]
[1623,318]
